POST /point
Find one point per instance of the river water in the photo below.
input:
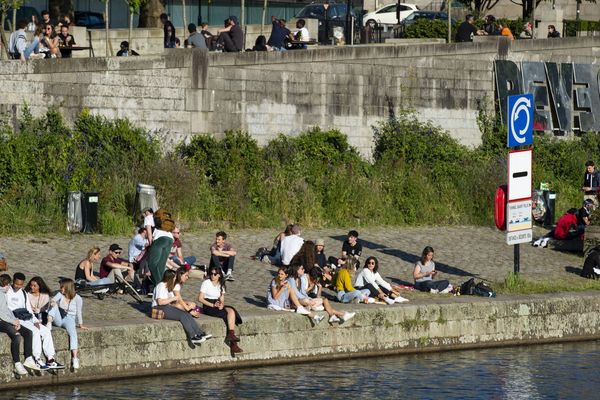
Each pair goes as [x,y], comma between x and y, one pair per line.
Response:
[556,371]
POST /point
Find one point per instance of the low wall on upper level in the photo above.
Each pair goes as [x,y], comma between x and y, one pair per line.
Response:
[185,91]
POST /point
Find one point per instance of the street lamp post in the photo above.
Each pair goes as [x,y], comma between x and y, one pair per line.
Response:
[326,7]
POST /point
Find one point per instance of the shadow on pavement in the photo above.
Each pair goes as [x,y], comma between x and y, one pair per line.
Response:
[259,301]
[573,270]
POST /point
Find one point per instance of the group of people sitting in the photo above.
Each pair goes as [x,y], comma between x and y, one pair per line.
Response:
[49,40]
[28,312]
[304,270]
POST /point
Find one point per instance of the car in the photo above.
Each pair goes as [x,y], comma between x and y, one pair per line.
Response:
[89,19]
[334,16]
[24,13]
[431,15]
[388,14]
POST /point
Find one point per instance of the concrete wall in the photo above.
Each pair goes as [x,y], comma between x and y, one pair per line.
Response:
[185,91]
[158,347]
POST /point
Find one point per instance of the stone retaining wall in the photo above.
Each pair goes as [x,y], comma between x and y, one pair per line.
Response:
[159,347]
[185,91]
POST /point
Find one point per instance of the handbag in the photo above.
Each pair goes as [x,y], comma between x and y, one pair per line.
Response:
[22,314]
[157,313]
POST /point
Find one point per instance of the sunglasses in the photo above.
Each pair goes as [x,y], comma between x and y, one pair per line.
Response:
[215,273]
[371,263]
[117,252]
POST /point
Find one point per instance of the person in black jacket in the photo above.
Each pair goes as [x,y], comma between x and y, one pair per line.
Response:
[591,182]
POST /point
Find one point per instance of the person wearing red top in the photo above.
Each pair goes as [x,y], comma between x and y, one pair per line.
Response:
[566,229]
[112,264]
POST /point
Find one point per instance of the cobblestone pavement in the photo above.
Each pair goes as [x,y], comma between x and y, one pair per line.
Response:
[460,252]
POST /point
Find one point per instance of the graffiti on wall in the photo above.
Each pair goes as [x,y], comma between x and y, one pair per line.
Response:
[566,96]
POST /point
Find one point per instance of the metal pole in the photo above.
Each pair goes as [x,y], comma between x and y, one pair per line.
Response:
[352,33]
[533,21]
[517,258]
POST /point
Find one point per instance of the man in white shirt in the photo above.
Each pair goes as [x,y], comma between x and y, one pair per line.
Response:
[148,223]
[42,335]
[10,325]
[290,245]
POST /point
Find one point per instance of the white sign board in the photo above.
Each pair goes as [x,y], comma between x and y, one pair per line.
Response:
[525,236]
[519,175]
[518,216]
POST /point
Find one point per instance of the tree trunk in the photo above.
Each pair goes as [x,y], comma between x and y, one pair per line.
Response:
[129,34]
[184,21]
[59,8]
[3,36]
[264,16]
[14,20]
[243,13]
[150,14]
[106,24]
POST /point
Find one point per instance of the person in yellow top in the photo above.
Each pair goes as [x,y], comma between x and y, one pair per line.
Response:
[505,30]
[342,282]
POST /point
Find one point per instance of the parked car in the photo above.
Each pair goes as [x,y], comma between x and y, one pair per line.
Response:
[431,15]
[389,14]
[24,12]
[89,19]
[334,16]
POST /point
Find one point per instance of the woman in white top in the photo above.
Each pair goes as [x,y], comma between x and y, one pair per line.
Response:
[369,278]
[212,297]
[164,299]
[66,311]
[38,296]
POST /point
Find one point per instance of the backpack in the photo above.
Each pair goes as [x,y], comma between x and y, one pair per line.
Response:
[163,220]
[480,289]
[483,289]
[467,287]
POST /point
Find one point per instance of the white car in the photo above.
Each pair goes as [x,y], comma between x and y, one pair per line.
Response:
[387,14]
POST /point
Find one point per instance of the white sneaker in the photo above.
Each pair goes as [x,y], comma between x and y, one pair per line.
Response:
[448,289]
[318,308]
[597,271]
[75,363]
[333,319]
[348,316]
[20,368]
[389,300]
[545,242]
[400,299]
[302,310]
[31,364]
[318,318]
[370,300]
[537,243]
[434,291]
[229,277]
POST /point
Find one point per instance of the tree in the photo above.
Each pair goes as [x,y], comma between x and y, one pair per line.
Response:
[529,5]
[5,5]
[150,14]
[60,8]
[479,7]
[134,8]
[106,25]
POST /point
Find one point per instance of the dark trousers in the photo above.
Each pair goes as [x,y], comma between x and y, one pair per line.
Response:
[157,257]
[227,42]
[190,326]
[15,339]
[428,285]
[225,263]
[373,290]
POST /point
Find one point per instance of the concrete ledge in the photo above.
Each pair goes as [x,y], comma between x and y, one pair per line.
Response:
[158,347]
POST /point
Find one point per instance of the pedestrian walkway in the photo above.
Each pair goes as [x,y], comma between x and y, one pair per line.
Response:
[460,252]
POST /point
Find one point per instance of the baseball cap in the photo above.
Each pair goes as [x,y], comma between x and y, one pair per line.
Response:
[114,247]
[319,242]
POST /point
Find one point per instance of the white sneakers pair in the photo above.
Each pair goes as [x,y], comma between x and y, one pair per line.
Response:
[347,316]
[541,242]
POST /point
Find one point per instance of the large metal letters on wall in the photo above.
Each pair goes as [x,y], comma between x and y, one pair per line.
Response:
[566,96]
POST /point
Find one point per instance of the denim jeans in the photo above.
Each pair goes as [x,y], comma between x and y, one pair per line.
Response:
[189,259]
[67,323]
[225,263]
[347,297]
[32,48]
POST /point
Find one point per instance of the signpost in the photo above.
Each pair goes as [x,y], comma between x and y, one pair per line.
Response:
[520,179]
